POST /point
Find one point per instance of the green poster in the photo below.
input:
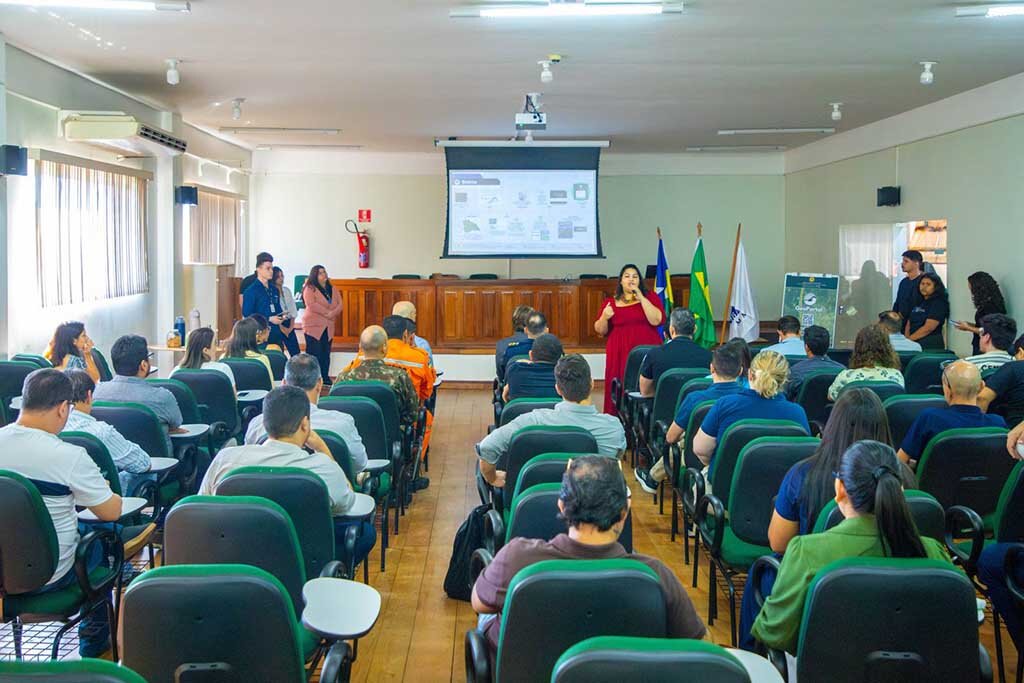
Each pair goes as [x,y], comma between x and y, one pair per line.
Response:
[812,298]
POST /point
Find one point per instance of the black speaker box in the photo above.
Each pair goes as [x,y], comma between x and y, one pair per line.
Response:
[186,195]
[13,160]
[888,196]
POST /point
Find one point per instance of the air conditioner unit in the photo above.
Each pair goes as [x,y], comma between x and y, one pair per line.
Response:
[122,133]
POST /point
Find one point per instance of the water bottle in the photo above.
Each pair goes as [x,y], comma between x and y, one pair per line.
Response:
[179,325]
[194,322]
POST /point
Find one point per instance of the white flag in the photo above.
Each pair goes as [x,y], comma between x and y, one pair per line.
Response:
[743,321]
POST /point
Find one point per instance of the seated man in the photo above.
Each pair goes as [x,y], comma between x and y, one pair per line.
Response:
[790,343]
[372,346]
[594,502]
[66,476]
[574,384]
[816,343]
[407,309]
[535,379]
[130,358]
[726,366]
[519,317]
[536,325]
[892,323]
[961,382]
[679,352]
[303,371]
[131,461]
[286,418]
[995,338]
[1004,390]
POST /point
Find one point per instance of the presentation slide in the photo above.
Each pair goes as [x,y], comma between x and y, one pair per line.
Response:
[522,213]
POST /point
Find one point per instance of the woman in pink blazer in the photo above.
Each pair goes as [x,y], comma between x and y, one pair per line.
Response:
[323,306]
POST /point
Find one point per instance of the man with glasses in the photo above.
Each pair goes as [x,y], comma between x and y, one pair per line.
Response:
[961,382]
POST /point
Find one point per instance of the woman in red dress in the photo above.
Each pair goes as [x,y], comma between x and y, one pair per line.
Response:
[629,319]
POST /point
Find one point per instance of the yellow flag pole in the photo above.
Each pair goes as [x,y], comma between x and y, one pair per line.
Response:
[732,276]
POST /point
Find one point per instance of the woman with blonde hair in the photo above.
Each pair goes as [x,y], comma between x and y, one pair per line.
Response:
[765,400]
[873,360]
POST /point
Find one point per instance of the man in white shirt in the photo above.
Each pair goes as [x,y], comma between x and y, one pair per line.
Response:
[303,371]
[995,337]
[892,323]
[286,415]
[66,476]
[790,342]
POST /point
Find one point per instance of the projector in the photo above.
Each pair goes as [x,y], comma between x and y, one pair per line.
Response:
[531,121]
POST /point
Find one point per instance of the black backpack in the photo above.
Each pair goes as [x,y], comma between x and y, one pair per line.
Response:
[468,538]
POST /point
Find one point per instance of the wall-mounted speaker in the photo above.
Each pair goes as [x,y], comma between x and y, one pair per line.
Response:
[888,196]
[13,160]
[186,194]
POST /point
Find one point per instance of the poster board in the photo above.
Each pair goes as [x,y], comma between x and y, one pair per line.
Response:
[813,298]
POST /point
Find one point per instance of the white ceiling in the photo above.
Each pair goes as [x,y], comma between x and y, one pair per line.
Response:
[394,74]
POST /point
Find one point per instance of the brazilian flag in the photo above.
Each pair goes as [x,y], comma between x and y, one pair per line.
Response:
[700,299]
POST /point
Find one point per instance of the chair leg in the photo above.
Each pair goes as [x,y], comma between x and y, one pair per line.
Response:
[112,623]
[712,592]
[675,516]
[999,645]
[366,570]
[661,497]
[696,557]
[384,523]
[732,607]
[1020,667]
[17,629]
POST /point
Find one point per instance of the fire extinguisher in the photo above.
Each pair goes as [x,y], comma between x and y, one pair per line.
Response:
[364,242]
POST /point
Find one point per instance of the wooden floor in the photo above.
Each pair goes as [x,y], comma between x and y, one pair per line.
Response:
[419,636]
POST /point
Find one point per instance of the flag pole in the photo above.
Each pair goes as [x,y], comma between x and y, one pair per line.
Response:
[700,230]
[732,277]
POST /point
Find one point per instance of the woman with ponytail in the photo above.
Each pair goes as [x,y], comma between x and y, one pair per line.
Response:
[869,493]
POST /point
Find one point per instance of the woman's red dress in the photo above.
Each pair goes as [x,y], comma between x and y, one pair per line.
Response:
[626,329]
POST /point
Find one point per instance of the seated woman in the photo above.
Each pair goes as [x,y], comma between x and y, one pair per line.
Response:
[244,344]
[878,524]
[71,349]
[873,360]
[198,355]
[263,334]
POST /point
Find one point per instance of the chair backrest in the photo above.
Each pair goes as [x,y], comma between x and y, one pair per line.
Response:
[12,378]
[369,421]
[924,371]
[303,495]
[82,671]
[695,384]
[406,276]
[135,422]
[28,541]
[887,614]
[381,394]
[187,403]
[102,365]
[813,393]
[697,416]
[214,395]
[249,374]
[554,604]
[237,530]
[903,409]
[883,390]
[277,362]
[613,659]
[37,360]
[666,393]
[339,451]
[966,467]
[906,357]
[521,406]
[593,276]
[534,514]
[841,356]
[929,517]
[736,437]
[483,276]
[534,440]
[233,614]
[99,454]
[760,469]
[1009,516]
[631,374]
[542,469]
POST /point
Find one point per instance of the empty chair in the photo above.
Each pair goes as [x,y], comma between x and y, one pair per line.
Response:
[903,409]
[102,365]
[813,395]
[613,659]
[12,378]
[625,394]
[217,403]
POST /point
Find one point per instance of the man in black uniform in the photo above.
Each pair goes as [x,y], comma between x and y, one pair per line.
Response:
[908,294]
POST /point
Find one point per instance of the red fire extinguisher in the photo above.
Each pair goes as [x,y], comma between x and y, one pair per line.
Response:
[364,242]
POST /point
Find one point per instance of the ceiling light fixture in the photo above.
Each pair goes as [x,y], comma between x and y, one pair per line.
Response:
[737,148]
[173,75]
[546,76]
[774,131]
[588,8]
[990,11]
[268,148]
[251,129]
[236,108]
[927,76]
[837,114]
[132,5]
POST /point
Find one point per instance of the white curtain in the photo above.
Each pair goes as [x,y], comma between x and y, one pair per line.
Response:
[91,240]
[213,228]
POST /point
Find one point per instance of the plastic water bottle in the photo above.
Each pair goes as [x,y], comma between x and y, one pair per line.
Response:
[179,325]
[194,322]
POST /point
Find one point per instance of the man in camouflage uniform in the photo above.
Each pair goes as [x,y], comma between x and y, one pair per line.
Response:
[372,347]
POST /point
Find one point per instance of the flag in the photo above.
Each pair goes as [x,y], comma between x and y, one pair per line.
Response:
[743,320]
[663,285]
[700,299]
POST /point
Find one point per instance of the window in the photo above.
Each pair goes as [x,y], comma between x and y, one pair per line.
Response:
[212,229]
[91,236]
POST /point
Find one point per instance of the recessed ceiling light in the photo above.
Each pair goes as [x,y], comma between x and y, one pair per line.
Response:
[1008,10]
[132,5]
[173,75]
[774,131]
[927,76]
[837,113]
[589,8]
[236,108]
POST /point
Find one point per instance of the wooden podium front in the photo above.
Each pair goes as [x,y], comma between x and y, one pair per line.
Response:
[469,316]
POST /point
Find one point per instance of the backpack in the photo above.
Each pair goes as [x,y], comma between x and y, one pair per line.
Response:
[469,537]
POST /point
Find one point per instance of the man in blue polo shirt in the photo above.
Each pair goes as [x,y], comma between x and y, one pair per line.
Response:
[263,298]
[961,382]
[790,342]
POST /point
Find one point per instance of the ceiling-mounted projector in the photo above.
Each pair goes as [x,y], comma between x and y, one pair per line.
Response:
[533,120]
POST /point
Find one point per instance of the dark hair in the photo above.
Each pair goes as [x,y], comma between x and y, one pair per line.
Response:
[63,342]
[593,492]
[817,339]
[1001,328]
[277,271]
[45,389]
[283,410]
[788,324]
[313,280]
[243,338]
[870,472]
[682,321]
[395,326]
[263,257]
[260,320]
[572,377]
[872,348]
[520,315]
[742,348]
[858,414]
[985,293]
[303,371]
[199,340]
[890,321]
[1017,345]
[81,384]
[127,354]
[940,288]
[913,255]
[727,361]
[536,323]
[410,324]
[618,287]
[547,349]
